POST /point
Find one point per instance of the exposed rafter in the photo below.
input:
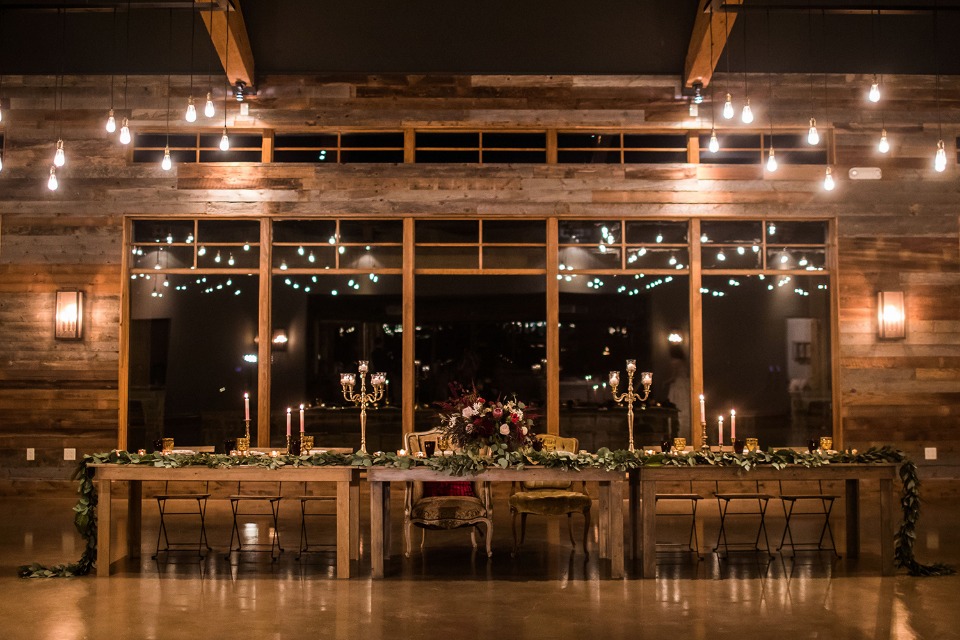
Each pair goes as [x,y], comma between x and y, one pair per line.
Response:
[241,56]
[699,65]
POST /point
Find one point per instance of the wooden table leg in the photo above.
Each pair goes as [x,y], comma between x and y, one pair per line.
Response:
[387,536]
[615,526]
[134,518]
[355,518]
[602,528]
[886,527]
[634,511]
[648,549]
[853,518]
[103,528]
[376,528]
[344,529]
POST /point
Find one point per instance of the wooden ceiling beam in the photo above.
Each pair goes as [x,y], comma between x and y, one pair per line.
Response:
[700,65]
[240,58]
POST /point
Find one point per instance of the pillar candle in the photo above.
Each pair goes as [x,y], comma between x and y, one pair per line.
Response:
[703,411]
[720,431]
[246,406]
[733,425]
[288,422]
[301,418]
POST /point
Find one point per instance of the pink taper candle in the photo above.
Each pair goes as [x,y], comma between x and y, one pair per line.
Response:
[720,431]
[703,411]
[246,406]
[301,418]
[733,425]
[288,422]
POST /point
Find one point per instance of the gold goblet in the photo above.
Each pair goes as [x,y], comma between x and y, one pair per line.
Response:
[826,443]
[680,445]
[752,444]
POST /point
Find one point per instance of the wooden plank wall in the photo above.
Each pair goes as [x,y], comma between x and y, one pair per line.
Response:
[899,232]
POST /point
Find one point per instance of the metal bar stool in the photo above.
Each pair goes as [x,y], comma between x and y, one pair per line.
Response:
[201,512]
[274,501]
[693,542]
[824,500]
[307,499]
[724,499]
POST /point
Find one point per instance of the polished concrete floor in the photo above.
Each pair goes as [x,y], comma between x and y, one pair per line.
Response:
[448,591]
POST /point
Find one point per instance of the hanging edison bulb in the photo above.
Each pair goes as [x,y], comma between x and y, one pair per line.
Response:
[828,182]
[1,163]
[813,137]
[746,116]
[208,109]
[714,144]
[224,141]
[111,122]
[728,107]
[216,258]
[940,160]
[125,131]
[59,158]
[884,145]
[167,163]
[874,94]
[772,161]
[191,114]
[52,183]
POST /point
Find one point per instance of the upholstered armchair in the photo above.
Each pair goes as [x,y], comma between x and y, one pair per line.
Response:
[444,505]
[551,498]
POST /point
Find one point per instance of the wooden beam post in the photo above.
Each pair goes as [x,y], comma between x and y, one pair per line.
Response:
[409,336]
[265,330]
[700,65]
[553,327]
[240,60]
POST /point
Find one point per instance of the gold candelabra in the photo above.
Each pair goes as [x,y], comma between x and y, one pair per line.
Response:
[630,396]
[362,399]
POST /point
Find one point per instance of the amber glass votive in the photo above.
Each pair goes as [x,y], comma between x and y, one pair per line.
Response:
[752,444]
[826,443]
[680,444]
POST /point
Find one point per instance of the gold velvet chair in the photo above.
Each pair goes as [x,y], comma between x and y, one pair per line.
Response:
[444,512]
[550,498]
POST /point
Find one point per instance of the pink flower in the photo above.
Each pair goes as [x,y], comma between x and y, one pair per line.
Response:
[481,400]
[468,412]
[497,413]
[504,430]
[524,430]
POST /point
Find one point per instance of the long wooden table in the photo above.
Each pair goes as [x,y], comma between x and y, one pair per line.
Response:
[611,503]
[347,480]
[643,504]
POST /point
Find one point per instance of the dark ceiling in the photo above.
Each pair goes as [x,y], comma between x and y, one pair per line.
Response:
[490,36]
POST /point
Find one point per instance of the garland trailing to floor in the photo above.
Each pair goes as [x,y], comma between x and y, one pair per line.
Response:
[472,462]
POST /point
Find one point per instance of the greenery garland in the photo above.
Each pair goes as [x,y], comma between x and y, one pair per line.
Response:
[472,462]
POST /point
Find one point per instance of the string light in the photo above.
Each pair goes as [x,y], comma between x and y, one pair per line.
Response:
[52,182]
[771,160]
[746,116]
[191,114]
[167,163]
[125,131]
[728,108]
[828,183]
[208,109]
[59,158]
[940,160]
[884,145]
[813,136]
[714,144]
[111,122]
[874,94]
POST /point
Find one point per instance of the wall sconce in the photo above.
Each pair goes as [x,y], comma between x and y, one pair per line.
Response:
[280,340]
[891,316]
[69,319]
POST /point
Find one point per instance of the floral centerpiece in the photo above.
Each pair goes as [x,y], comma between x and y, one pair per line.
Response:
[470,421]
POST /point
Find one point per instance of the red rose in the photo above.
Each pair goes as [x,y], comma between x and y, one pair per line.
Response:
[514,418]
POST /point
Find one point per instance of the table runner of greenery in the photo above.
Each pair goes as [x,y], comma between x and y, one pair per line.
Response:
[471,462]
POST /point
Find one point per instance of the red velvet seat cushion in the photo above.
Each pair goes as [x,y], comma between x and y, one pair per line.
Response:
[435,489]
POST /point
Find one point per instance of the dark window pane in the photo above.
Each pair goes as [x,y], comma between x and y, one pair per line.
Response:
[514,258]
[641,258]
[371,257]
[730,157]
[588,157]
[656,233]
[448,156]
[588,140]
[798,233]
[373,139]
[305,257]
[362,156]
[788,141]
[230,156]
[220,258]
[371,231]
[301,140]
[589,231]
[148,155]
[159,231]
[802,156]
[514,140]
[654,157]
[590,257]
[733,141]
[654,141]
[235,231]
[309,231]
[447,258]
[459,139]
[740,231]
[168,257]
[444,231]
[154,140]
[514,231]
[305,155]
[739,257]
[515,157]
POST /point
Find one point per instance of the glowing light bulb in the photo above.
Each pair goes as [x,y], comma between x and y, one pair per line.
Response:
[230,260]
[300,250]
[191,114]
[884,145]
[202,251]
[224,141]
[714,144]
[1,115]
[746,116]
[216,258]
[166,164]
[283,265]
[111,122]
[125,132]
[813,137]
[721,256]
[1,163]
[828,182]
[672,261]
[940,160]
[728,107]
[874,94]
[771,161]
[59,158]
[208,109]
[311,257]
[52,183]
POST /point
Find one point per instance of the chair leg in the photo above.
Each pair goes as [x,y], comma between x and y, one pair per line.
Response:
[303,529]
[586,529]
[722,534]
[787,514]
[162,531]
[516,544]
[407,542]
[828,508]
[693,531]
[523,527]
[489,538]
[275,543]
[473,536]
[570,529]
[202,507]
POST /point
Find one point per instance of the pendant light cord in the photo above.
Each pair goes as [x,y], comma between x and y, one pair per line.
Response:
[936,60]
[769,82]
[713,102]
[169,48]
[743,20]
[193,38]
[126,54]
[823,58]
[113,51]
[226,66]
[59,93]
